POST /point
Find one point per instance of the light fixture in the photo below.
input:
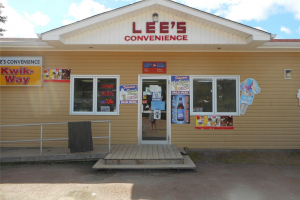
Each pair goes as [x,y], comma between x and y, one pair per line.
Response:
[219,48]
[155,17]
[90,47]
[287,74]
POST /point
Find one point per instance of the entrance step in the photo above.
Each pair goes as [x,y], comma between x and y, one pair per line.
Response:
[145,157]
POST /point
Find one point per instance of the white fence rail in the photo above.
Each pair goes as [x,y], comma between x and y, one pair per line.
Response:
[55,139]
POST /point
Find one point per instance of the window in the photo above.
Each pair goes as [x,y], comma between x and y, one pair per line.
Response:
[215,95]
[94,95]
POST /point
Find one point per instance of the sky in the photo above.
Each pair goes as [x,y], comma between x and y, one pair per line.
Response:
[25,18]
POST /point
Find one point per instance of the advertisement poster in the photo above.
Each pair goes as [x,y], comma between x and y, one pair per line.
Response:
[214,122]
[180,109]
[21,71]
[128,94]
[180,85]
[154,67]
[57,75]
[249,89]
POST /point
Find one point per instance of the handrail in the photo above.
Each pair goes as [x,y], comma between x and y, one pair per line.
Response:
[56,139]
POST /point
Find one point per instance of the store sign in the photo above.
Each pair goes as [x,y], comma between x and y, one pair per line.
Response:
[180,85]
[128,94]
[21,71]
[163,27]
[214,122]
[154,67]
[180,109]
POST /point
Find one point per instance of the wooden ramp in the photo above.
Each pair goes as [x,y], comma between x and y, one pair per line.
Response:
[145,157]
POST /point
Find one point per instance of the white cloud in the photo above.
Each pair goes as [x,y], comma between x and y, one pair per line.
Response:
[239,10]
[85,9]
[260,28]
[67,21]
[16,25]
[38,18]
[286,30]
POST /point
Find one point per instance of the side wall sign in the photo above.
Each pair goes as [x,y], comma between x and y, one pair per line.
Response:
[21,71]
[249,88]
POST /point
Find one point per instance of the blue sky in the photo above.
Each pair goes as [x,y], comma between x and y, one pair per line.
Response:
[28,17]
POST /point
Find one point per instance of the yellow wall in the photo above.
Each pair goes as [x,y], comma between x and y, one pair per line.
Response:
[271,122]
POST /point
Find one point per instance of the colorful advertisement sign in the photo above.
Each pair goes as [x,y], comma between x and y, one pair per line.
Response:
[180,85]
[57,75]
[128,94]
[180,109]
[249,88]
[214,122]
[21,71]
[154,67]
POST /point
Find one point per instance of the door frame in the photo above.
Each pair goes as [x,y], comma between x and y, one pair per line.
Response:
[168,112]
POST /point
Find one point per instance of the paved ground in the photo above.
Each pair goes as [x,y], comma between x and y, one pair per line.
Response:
[211,181]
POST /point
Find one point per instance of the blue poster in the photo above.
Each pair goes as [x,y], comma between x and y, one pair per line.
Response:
[180,85]
[158,105]
[128,94]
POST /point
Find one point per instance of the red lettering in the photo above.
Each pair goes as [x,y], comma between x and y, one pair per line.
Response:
[133,28]
[146,38]
[127,38]
[14,71]
[107,86]
[10,79]
[133,38]
[181,27]
[167,37]
[140,38]
[152,37]
[185,37]
[4,70]
[157,37]
[173,24]
[25,71]
[164,27]
[107,93]
[179,36]
[107,101]
[150,27]
[172,37]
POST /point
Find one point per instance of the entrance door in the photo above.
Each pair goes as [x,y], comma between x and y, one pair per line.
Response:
[154,95]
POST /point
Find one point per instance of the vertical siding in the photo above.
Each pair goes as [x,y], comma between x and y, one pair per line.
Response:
[272,122]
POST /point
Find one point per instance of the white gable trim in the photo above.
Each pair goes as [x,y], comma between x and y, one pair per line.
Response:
[182,11]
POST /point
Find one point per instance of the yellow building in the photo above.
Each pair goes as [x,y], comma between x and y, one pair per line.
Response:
[211,83]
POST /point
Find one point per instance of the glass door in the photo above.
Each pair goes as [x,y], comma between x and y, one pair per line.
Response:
[154,110]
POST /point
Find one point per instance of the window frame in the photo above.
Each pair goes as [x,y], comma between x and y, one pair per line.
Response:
[95,94]
[214,95]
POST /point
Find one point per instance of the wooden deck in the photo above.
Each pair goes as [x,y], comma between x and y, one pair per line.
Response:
[144,154]
[145,157]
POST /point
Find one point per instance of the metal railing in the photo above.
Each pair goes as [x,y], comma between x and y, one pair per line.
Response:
[56,139]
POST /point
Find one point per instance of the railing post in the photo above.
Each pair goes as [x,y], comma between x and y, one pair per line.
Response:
[109,137]
[41,142]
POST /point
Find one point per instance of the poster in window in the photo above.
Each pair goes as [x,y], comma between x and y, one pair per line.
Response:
[180,109]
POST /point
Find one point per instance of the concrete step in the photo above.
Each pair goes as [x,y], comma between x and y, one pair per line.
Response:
[187,164]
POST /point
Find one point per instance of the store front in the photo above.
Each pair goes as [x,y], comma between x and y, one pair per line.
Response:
[163,73]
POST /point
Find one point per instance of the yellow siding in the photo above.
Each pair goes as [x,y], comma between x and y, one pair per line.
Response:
[272,122]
